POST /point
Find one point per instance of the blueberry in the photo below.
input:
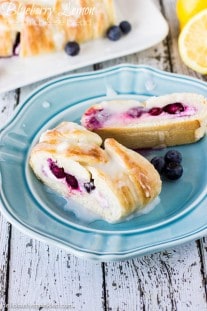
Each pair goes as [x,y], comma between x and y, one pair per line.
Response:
[114,33]
[135,112]
[159,163]
[93,123]
[173,108]
[155,111]
[173,170]
[71,181]
[173,156]
[89,186]
[125,27]
[57,171]
[72,48]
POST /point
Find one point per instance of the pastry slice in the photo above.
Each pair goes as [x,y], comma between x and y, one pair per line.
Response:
[113,182]
[168,120]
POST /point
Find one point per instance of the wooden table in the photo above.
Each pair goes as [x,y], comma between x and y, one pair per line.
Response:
[36,276]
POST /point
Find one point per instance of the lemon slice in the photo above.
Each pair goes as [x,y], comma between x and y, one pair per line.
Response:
[192,43]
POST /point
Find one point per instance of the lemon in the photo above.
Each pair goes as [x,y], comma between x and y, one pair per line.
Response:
[192,43]
[186,9]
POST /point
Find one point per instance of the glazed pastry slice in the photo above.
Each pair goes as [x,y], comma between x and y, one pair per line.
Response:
[168,120]
[113,182]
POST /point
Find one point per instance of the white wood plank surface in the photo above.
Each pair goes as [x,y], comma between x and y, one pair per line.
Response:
[163,281]
[8,103]
[44,276]
[4,239]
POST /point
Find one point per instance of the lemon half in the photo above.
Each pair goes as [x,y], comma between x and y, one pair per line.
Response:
[192,43]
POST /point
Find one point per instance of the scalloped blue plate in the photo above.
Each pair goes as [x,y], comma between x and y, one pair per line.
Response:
[180,215]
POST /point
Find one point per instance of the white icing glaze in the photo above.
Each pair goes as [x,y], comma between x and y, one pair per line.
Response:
[59,39]
[88,216]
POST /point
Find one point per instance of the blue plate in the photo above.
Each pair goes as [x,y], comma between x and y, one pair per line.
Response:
[179,217]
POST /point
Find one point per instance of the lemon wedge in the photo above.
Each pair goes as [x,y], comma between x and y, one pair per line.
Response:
[192,43]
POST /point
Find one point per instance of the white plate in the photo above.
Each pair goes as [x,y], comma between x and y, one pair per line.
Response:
[149,28]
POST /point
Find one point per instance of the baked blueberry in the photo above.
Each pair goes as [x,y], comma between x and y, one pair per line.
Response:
[72,48]
[156,111]
[125,27]
[135,112]
[159,163]
[57,171]
[89,186]
[173,170]
[114,33]
[71,181]
[94,123]
[173,156]
[174,108]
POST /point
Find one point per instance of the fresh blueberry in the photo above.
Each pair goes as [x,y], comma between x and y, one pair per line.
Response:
[173,108]
[173,156]
[159,163]
[173,170]
[71,181]
[114,33]
[125,27]
[89,186]
[72,48]
[155,111]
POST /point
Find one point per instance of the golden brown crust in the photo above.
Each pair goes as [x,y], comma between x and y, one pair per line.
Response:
[145,179]
[9,24]
[123,192]
[7,39]
[79,145]
[154,136]
[90,155]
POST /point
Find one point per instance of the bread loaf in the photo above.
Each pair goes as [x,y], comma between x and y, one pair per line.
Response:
[112,182]
[168,120]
